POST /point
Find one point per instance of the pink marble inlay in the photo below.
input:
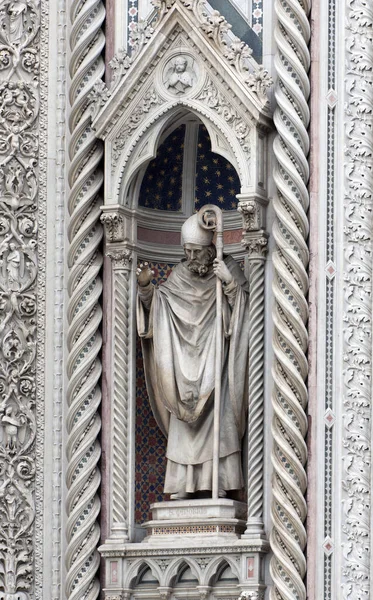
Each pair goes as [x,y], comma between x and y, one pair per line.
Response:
[231,236]
[250,567]
[114,571]
[158,237]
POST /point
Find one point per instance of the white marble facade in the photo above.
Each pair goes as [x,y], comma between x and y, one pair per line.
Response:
[294,119]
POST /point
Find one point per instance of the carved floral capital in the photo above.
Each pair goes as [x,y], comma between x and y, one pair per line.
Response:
[256,247]
[250,212]
[114,226]
[121,259]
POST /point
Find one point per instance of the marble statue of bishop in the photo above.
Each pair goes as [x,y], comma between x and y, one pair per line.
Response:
[176,323]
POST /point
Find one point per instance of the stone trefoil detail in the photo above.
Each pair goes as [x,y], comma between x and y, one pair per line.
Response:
[84,311]
[290,314]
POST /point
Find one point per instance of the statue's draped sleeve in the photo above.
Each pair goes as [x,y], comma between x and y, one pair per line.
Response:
[144,315]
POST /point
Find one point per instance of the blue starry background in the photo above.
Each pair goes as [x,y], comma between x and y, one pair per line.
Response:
[216,181]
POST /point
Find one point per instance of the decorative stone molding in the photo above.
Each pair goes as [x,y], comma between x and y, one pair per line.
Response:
[147,105]
[357,351]
[219,103]
[237,54]
[84,311]
[59,298]
[23,107]
[122,359]
[290,286]
[121,62]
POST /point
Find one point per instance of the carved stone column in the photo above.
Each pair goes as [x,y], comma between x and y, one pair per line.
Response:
[121,361]
[254,240]
[121,368]
[290,312]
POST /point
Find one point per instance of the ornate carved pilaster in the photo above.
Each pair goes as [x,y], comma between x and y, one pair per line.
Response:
[254,240]
[357,476]
[23,148]
[84,310]
[122,357]
[290,314]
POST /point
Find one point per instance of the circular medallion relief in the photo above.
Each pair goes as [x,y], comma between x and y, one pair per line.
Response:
[180,74]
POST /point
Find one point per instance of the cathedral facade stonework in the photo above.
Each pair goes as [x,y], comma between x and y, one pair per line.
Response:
[185,299]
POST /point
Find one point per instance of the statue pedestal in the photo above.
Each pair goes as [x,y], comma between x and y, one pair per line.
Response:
[208,520]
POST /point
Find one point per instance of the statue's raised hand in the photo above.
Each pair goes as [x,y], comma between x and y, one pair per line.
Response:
[144,274]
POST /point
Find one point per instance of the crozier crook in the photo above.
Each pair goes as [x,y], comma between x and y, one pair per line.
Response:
[211,217]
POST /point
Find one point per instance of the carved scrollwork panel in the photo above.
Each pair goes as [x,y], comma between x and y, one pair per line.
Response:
[357,352]
[20,181]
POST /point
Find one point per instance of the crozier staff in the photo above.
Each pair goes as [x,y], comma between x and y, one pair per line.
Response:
[177,326]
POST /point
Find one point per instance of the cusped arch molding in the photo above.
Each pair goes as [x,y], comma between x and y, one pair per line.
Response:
[142,147]
[215,569]
[178,568]
[143,573]
[151,135]
[188,158]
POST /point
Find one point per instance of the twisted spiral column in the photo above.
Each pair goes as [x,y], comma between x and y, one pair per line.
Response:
[122,359]
[257,250]
[290,314]
[84,311]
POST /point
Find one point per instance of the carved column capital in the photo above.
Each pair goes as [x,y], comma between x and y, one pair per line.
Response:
[121,258]
[252,595]
[164,593]
[256,245]
[253,211]
[113,223]
[248,209]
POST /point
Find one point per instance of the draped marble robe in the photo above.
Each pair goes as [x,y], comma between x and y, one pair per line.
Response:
[177,326]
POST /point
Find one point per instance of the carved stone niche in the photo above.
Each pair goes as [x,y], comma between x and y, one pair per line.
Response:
[185,74]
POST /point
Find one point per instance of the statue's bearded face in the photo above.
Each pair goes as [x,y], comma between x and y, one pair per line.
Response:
[199,258]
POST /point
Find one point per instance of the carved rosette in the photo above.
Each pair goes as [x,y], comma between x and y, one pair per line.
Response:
[290,286]
[21,195]
[84,311]
[121,373]
[357,347]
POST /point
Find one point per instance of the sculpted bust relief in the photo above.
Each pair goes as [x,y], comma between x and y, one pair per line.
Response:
[180,76]
[177,326]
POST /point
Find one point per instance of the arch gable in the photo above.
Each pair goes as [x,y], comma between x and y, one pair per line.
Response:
[213,82]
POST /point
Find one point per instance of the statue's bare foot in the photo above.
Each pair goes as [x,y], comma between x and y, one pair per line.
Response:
[222,494]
